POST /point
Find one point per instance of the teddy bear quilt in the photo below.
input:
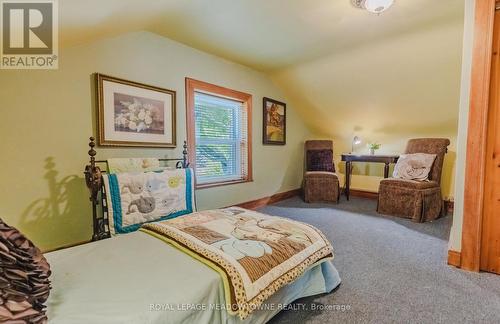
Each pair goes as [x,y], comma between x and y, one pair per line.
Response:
[135,198]
[255,254]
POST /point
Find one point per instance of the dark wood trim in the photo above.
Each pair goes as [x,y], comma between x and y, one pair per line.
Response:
[369,158]
[191,86]
[454,258]
[257,203]
[364,194]
[476,136]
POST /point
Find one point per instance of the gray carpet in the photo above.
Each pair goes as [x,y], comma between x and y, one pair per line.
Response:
[392,270]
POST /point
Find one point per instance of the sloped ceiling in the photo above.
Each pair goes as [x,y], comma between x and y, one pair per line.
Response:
[403,85]
[264,34]
[347,72]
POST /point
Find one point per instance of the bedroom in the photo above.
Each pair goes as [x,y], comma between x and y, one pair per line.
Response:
[326,70]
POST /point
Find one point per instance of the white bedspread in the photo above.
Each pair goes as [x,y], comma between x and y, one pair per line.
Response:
[136,278]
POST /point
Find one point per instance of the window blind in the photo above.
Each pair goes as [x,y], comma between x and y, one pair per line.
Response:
[221,139]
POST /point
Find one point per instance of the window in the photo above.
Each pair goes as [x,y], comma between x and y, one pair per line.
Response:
[218,133]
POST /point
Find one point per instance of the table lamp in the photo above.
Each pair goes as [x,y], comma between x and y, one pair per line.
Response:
[355,141]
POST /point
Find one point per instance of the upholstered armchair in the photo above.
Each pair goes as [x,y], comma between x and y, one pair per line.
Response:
[320,184]
[418,200]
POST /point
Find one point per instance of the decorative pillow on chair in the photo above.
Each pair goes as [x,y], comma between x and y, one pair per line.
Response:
[414,166]
[142,197]
[320,160]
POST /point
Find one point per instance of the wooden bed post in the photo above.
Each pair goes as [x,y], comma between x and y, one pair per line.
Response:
[93,179]
[184,163]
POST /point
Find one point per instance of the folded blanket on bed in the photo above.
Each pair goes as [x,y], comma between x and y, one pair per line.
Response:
[256,254]
[141,197]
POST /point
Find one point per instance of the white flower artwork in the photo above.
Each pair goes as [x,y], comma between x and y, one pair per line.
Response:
[138,115]
[134,114]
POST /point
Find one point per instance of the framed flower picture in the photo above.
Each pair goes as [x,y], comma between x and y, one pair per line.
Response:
[274,128]
[134,114]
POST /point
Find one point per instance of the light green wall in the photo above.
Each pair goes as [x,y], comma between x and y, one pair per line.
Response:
[47,117]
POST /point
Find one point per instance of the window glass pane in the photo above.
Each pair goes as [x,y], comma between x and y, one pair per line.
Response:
[215,161]
[218,138]
[214,122]
[215,116]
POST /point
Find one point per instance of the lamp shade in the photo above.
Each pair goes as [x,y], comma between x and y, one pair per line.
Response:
[355,141]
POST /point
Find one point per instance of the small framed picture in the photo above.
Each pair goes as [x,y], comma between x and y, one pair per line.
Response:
[274,129]
[134,114]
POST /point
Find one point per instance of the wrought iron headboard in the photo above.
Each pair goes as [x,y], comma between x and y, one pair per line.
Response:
[95,184]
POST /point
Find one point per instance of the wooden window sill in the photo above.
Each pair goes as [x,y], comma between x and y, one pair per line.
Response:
[222,183]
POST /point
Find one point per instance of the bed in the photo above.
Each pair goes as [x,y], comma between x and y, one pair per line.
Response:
[117,282]
[139,278]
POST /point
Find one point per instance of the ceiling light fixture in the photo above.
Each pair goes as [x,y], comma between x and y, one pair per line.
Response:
[373,6]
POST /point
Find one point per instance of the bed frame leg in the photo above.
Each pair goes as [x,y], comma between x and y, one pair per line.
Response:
[93,179]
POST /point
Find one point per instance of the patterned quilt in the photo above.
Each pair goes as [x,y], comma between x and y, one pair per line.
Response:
[256,254]
[135,198]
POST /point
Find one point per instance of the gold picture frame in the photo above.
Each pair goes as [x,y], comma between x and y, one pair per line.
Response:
[134,114]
